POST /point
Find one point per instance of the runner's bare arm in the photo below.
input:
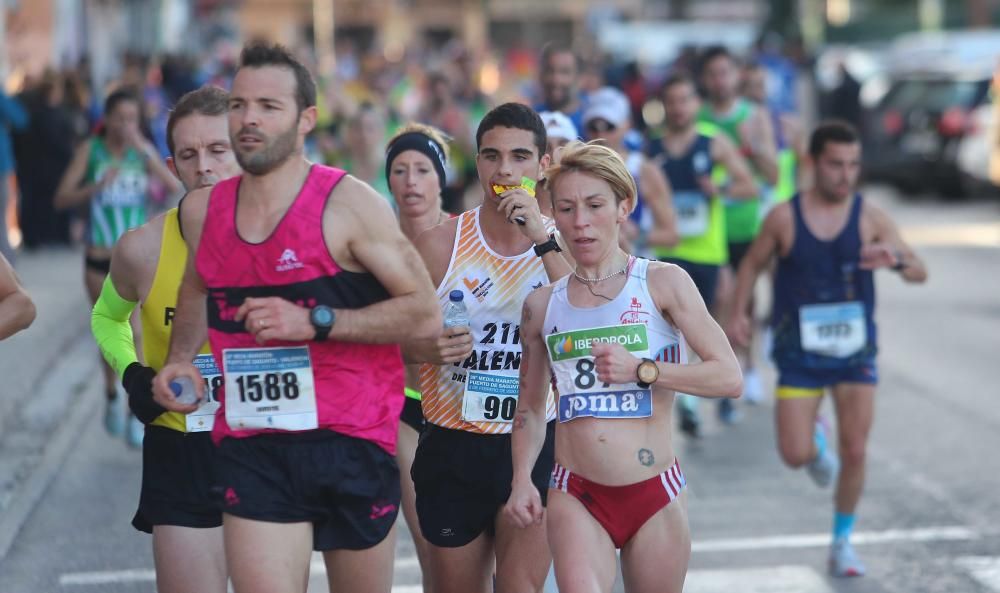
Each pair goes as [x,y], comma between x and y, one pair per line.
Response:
[558,263]
[763,148]
[765,246]
[656,195]
[361,219]
[901,254]
[718,372]
[69,193]
[799,141]
[189,330]
[528,436]
[741,184]
[159,170]
[452,344]
[123,265]
[134,259]
[16,309]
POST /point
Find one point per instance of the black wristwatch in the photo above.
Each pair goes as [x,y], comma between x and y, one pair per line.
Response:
[900,264]
[647,372]
[322,317]
[550,245]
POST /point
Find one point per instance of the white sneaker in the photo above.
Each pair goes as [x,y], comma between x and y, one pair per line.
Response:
[844,562]
[753,391]
[824,469]
[135,432]
[114,415]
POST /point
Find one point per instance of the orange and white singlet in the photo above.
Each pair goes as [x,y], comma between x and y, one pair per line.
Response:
[480,393]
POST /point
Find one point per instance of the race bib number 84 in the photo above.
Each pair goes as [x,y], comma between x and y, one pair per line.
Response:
[269,388]
[581,394]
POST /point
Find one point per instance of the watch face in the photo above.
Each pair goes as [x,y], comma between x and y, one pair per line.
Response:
[647,372]
[322,316]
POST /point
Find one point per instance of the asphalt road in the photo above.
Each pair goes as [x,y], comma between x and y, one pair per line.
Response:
[929,521]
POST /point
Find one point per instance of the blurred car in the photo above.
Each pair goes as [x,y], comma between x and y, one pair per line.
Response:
[922,123]
[932,127]
[978,154]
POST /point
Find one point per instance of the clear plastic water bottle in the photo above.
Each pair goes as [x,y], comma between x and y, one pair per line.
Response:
[455,313]
[184,391]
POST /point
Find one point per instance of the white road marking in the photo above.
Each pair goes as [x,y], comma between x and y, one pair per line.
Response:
[317,566]
[814,540]
[967,234]
[985,569]
[107,577]
[772,579]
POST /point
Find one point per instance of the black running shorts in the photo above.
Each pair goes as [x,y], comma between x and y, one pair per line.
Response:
[348,488]
[177,477]
[412,414]
[462,480]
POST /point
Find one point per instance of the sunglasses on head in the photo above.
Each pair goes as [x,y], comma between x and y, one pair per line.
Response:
[599,126]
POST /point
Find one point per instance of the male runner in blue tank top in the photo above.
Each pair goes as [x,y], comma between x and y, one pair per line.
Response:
[828,241]
[690,154]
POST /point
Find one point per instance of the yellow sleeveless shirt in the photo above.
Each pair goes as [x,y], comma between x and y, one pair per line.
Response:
[157,314]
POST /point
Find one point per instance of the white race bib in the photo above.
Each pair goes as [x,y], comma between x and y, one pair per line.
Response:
[834,329]
[692,213]
[202,419]
[491,396]
[581,394]
[128,188]
[269,388]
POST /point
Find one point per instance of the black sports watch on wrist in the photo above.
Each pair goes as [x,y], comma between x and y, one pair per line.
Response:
[647,372]
[550,245]
[322,317]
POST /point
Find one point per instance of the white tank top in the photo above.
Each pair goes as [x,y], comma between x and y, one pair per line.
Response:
[480,393]
[632,320]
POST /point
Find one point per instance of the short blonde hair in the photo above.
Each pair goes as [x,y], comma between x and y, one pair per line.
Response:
[430,131]
[599,161]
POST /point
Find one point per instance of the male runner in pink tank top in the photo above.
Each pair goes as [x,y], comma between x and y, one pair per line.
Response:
[309,285]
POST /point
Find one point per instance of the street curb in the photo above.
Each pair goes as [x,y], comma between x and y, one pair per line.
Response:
[82,409]
[61,351]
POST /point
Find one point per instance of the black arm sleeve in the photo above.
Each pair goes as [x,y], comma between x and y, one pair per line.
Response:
[138,383]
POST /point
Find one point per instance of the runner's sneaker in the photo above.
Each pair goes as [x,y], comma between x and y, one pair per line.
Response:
[753,390]
[824,469]
[689,422]
[844,561]
[135,433]
[728,414]
[114,415]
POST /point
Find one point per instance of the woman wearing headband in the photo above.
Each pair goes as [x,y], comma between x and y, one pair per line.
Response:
[415,163]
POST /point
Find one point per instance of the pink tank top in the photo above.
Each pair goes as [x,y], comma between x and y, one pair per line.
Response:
[358,388]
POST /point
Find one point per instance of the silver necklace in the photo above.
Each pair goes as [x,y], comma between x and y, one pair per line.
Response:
[608,277]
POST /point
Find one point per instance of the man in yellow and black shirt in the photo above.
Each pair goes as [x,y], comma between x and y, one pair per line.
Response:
[147,264]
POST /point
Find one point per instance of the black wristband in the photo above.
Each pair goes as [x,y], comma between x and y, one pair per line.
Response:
[900,264]
[550,245]
[138,383]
